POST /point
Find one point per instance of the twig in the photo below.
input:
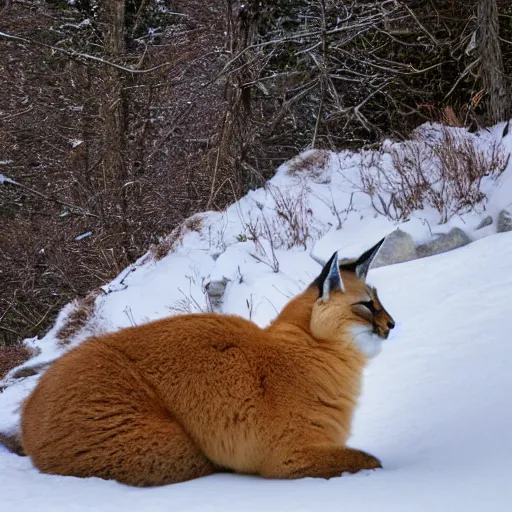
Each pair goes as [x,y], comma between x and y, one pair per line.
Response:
[414,17]
[77,209]
[78,55]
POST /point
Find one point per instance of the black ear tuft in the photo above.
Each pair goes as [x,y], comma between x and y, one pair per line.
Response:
[319,281]
[329,279]
[362,264]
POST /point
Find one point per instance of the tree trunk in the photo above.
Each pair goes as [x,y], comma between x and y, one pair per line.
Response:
[498,104]
[115,117]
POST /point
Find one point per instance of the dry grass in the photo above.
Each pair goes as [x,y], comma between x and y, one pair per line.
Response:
[311,163]
[293,216]
[450,118]
[82,312]
[264,240]
[194,223]
[448,115]
[12,356]
[188,303]
[285,224]
[444,174]
[169,243]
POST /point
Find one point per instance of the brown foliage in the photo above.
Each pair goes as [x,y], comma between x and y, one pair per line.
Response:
[170,242]
[313,161]
[97,151]
[83,309]
[12,356]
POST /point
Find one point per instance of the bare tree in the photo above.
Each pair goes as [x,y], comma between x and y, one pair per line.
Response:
[496,89]
[119,119]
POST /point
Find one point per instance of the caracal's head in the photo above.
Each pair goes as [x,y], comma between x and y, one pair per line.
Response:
[348,309]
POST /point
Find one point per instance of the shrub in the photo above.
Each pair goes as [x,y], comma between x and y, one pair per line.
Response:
[444,173]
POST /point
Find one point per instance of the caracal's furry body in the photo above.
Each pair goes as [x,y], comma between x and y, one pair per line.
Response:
[191,395]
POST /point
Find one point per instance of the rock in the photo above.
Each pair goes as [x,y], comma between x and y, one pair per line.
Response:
[397,248]
[215,291]
[443,242]
[28,371]
[505,221]
[216,288]
[485,222]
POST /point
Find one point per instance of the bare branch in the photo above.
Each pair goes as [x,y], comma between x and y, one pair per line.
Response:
[76,209]
[83,56]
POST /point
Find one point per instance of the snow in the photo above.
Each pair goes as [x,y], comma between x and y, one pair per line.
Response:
[435,406]
[6,179]
[435,409]
[83,235]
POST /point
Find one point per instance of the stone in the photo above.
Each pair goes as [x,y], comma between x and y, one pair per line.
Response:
[26,371]
[398,247]
[29,371]
[215,291]
[485,222]
[216,288]
[443,242]
[505,220]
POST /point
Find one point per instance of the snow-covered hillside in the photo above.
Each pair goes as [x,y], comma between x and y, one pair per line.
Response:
[435,406]
[436,409]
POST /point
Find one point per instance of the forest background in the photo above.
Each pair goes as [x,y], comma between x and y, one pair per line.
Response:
[120,119]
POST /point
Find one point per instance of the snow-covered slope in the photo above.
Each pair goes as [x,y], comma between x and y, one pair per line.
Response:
[435,408]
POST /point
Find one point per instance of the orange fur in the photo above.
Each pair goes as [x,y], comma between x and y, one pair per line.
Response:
[191,395]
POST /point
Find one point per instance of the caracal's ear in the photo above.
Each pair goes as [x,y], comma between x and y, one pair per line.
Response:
[330,278]
[362,264]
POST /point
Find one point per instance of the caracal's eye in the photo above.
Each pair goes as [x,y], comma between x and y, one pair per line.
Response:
[368,305]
